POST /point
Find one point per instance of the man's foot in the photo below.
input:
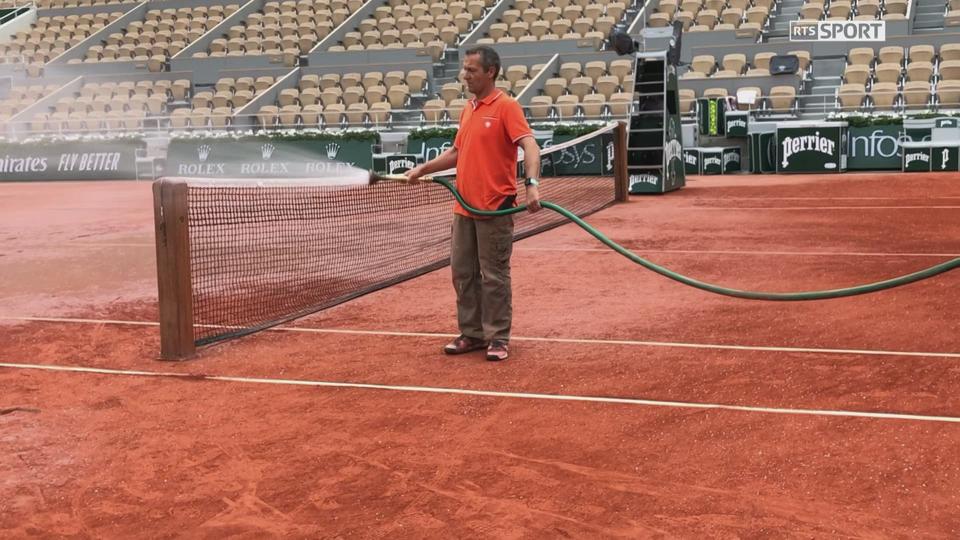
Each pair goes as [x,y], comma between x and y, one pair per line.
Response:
[464,344]
[498,350]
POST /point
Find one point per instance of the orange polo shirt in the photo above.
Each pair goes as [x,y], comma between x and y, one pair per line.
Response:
[486,146]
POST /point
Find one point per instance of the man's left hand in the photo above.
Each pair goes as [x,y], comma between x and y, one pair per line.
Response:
[533,199]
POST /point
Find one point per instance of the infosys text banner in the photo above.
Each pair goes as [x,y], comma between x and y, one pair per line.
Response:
[107,160]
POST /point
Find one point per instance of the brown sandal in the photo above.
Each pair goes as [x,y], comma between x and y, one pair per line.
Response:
[464,344]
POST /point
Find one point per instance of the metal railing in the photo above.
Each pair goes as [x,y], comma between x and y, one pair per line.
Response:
[395,120]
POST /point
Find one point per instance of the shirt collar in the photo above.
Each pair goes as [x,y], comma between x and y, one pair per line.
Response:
[487,100]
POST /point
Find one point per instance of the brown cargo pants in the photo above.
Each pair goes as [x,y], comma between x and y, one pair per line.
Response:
[480,260]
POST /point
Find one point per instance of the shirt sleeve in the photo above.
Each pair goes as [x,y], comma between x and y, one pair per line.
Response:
[515,123]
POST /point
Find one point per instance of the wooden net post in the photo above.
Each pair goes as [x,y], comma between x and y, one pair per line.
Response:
[620,162]
[170,210]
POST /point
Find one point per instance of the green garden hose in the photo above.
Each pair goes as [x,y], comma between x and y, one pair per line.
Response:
[736,293]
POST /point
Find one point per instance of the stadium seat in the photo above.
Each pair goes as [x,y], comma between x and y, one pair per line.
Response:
[570,70]
[398,95]
[811,11]
[352,95]
[896,7]
[566,106]
[621,68]
[839,10]
[921,53]
[220,116]
[851,96]
[782,98]
[920,71]
[555,87]
[329,80]
[378,114]
[804,58]
[862,56]
[241,98]
[916,94]
[715,93]
[891,55]
[333,115]
[433,110]
[948,51]
[451,91]
[856,74]
[309,96]
[868,7]
[288,96]
[607,85]
[620,104]
[375,94]
[948,94]
[268,115]
[456,107]
[310,115]
[416,80]
[581,86]
[707,18]
[592,105]
[199,117]
[950,70]
[887,72]
[734,62]
[703,64]
[732,16]
[659,20]
[757,15]
[884,95]
[289,115]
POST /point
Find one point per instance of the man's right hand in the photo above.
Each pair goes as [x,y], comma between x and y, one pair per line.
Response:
[415,174]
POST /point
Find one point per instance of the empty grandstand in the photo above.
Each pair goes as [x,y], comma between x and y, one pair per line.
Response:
[168,67]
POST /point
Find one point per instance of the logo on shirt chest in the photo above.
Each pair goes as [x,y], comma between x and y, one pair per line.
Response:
[489,121]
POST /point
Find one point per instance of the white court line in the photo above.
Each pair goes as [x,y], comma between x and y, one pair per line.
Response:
[519,247]
[487,393]
[83,244]
[917,198]
[575,341]
[818,207]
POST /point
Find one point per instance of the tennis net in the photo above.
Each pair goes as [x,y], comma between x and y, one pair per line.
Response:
[236,257]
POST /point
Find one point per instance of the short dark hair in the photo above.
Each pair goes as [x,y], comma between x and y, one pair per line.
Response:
[488,58]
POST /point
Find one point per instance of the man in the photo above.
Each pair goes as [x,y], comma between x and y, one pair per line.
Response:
[492,126]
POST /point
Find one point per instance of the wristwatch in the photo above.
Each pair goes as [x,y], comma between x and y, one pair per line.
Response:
[531,182]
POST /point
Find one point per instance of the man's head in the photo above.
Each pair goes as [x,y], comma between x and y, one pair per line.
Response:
[481,65]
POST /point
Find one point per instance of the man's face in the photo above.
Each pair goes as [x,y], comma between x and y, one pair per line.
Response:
[476,79]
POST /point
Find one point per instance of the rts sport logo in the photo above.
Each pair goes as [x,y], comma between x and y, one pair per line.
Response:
[838,31]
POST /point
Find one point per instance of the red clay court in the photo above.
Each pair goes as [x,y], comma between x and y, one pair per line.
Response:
[632,406]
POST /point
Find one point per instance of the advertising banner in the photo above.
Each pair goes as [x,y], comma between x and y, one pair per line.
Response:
[811,147]
[101,160]
[266,158]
